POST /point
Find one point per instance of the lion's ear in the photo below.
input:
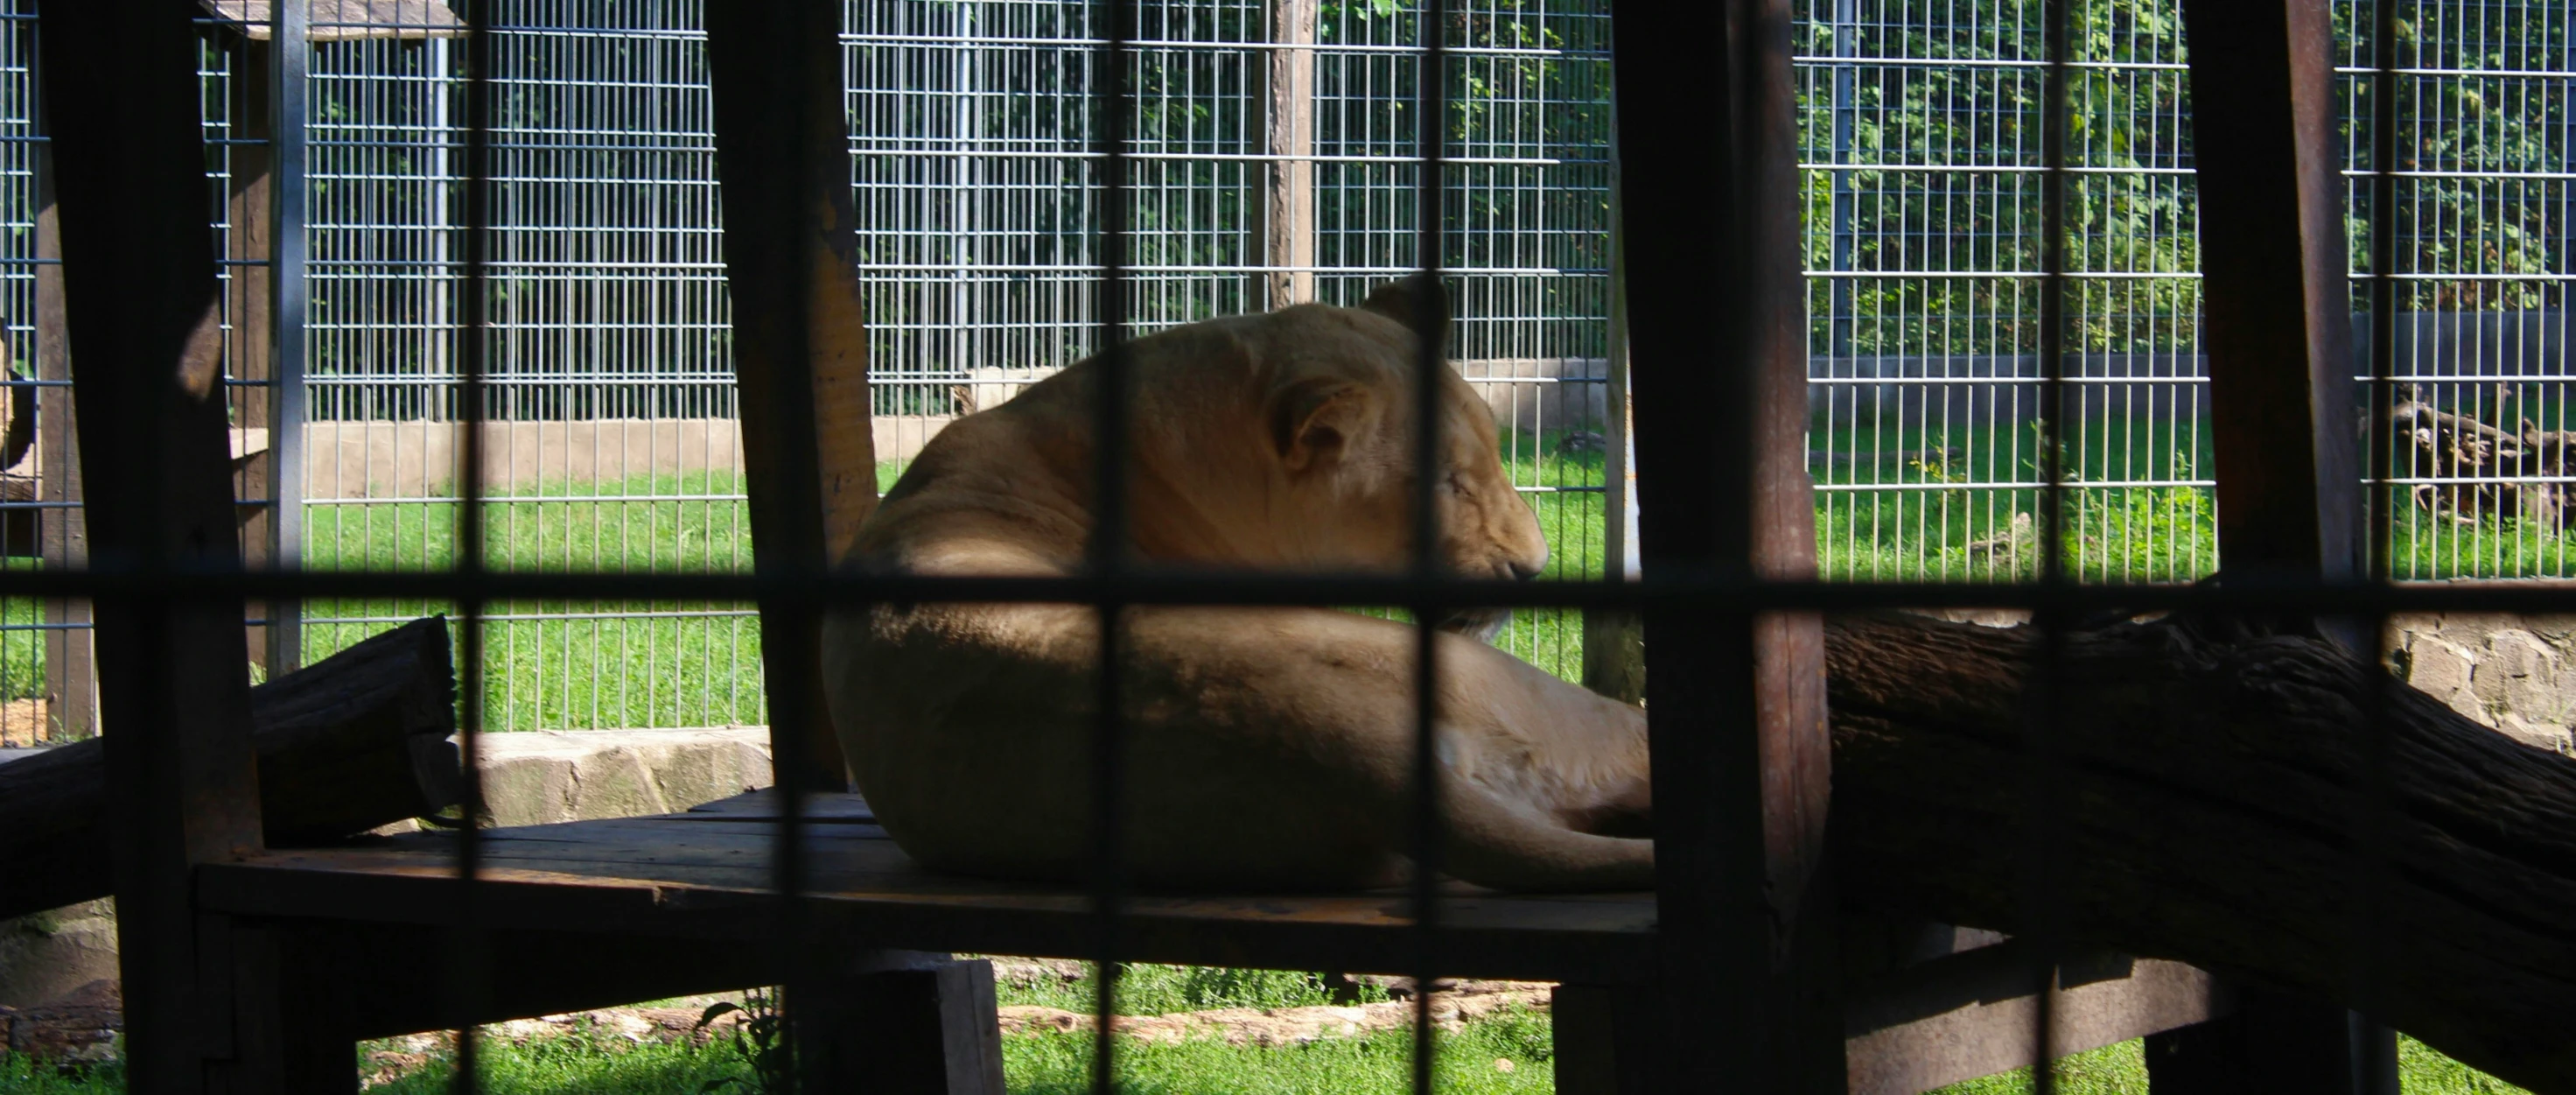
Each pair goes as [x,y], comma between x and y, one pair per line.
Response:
[1314,421]
[1418,302]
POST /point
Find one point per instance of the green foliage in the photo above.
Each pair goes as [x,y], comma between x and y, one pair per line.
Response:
[1149,989]
[1060,1064]
[760,1038]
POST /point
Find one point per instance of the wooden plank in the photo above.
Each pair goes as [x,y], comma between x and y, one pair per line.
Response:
[800,349]
[762,805]
[1289,223]
[1716,334]
[712,877]
[71,684]
[144,314]
[2278,328]
[1967,1016]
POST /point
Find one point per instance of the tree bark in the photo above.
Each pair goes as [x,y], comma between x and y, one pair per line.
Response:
[2223,808]
[355,741]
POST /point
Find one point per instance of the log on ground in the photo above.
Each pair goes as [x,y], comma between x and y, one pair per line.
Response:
[2216,800]
[357,740]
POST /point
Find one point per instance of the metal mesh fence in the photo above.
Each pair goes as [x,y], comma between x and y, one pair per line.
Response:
[612,435]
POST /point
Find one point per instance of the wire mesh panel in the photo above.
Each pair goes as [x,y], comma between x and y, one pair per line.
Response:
[2478,449]
[610,439]
[1921,124]
[34,634]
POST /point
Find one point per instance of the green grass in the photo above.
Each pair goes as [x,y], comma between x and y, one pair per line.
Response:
[1147,989]
[1060,1064]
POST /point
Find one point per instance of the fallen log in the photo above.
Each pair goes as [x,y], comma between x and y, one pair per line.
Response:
[2215,804]
[2482,470]
[352,742]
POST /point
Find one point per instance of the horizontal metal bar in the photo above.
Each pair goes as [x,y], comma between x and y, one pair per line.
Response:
[2071,484]
[525,499]
[1677,588]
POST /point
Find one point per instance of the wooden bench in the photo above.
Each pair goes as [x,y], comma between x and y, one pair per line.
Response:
[592,913]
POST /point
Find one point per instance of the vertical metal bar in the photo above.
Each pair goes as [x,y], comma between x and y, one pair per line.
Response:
[2042,928]
[1112,108]
[290,53]
[468,969]
[1735,702]
[1430,325]
[144,313]
[1845,203]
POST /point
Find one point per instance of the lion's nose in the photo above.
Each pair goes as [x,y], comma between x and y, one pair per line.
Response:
[1526,571]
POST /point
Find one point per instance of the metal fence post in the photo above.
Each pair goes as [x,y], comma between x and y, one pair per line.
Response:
[290,53]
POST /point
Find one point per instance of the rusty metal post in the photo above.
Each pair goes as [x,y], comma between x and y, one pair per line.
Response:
[1717,346]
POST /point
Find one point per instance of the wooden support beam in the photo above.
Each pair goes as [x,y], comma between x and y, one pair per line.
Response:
[1707,140]
[71,671]
[144,324]
[800,340]
[1289,223]
[2276,302]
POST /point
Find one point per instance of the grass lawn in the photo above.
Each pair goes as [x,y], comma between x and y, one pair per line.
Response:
[1470,1063]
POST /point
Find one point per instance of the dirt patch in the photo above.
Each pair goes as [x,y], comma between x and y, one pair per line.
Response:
[25,722]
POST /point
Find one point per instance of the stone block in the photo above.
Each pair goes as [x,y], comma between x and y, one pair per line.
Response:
[47,954]
[2445,671]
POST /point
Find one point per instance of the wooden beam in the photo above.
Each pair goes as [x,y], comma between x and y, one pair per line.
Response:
[1716,331]
[2276,304]
[800,340]
[71,672]
[144,324]
[1289,224]
[2275,297]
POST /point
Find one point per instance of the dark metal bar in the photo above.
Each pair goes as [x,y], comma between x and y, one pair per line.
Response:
[469,972]
[2043,909]
[144,313]
[1113,100]
[2277,303]
[1676,592]
[1736,716]
[1430,327]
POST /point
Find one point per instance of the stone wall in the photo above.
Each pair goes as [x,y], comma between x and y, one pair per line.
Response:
[2514,673]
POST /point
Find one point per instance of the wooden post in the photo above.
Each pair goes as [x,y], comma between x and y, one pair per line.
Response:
[144,316]
[800,350]
[1716,329]
[1290,220]
[1614,653]
[2278,325]
[71,672]
[248,296]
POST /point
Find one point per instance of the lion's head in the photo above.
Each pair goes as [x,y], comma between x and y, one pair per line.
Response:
[1281,441]
[1325,468]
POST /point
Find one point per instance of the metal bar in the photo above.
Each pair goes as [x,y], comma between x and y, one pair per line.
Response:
[143,306]
[468,974]
[289,302]
[1111,113]
[1430,323]
[1736,719]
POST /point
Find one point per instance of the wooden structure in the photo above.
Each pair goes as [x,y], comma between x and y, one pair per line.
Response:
[253,969]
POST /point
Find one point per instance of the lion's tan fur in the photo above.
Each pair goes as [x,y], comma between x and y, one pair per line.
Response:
[1267,748]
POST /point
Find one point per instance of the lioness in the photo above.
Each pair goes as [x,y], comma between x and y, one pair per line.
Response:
[1269,748]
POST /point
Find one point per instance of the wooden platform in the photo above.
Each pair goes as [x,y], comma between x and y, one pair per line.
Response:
[707,873]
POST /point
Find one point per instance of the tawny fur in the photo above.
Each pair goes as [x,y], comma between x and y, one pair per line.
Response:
[1267,748]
